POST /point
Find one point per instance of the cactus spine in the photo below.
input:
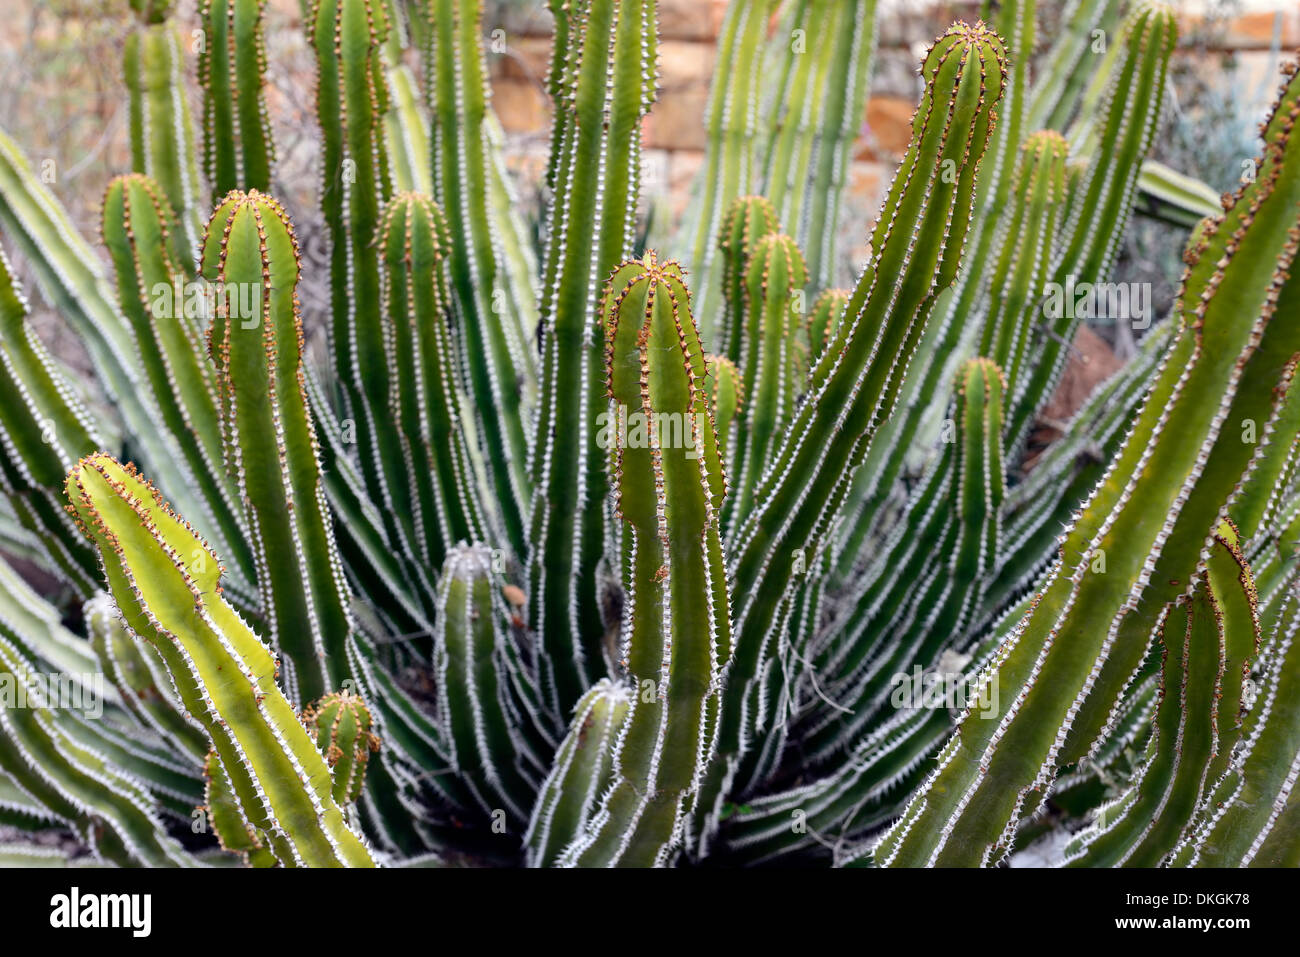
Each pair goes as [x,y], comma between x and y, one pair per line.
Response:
[925,214]
[607,75]
[732,124]
[342,725]
[238,151]
[1087,632]
[499,364]
[270,441]
[677,633]
[166,583]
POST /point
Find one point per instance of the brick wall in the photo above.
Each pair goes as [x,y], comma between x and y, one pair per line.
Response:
[674,132]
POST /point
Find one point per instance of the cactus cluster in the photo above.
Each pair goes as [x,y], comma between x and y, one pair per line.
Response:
[586,556]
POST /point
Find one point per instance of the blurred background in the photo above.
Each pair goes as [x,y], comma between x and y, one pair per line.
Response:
[61,98]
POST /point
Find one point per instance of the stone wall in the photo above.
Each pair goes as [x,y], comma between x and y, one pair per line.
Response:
[674,132]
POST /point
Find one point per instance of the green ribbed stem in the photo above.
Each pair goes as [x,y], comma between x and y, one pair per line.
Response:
[238,149]
[676,628]
[161,128]
[270,442]
[607,75]
[43,429]
[168,328]
[917,244]
[166,584]
[581,773]
[432,484]
[1088,631]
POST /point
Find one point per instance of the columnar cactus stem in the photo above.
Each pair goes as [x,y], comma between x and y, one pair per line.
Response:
[434,489]
[487,709]
[138,669]
[152,294]
[166,583]
[1071,657]
[1064,71]
[580,774]
[238,150]
[351,102]
[676,624]
[1250,816]
[1208,641]
[1020,269]
[162,130]
[43,430]
[819,104]
[727,400]
[519,264]
[1130,113]
[407,133]
[730,165]
[499,364]
[823,323]
[749,220]
[915,605]
[947,336]
[610,77]
[342,726]
[916,246]
[270,442]
[773,285]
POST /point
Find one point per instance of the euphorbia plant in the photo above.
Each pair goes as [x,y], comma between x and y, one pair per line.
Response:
[420,602]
